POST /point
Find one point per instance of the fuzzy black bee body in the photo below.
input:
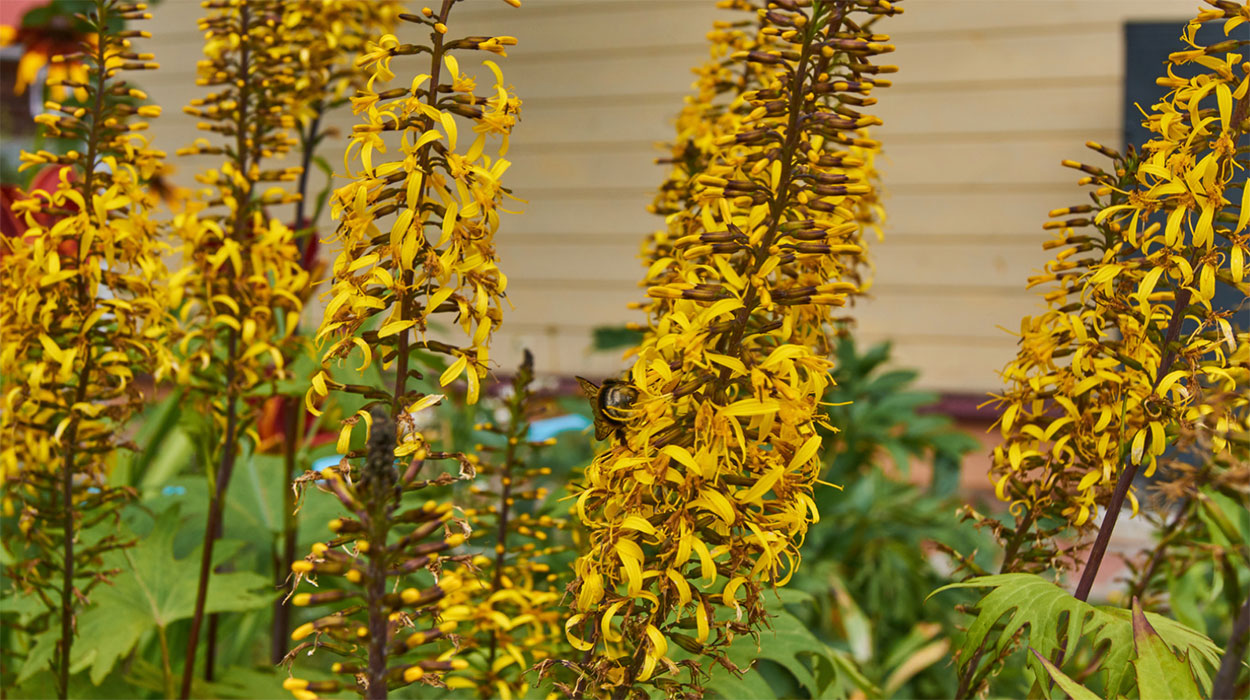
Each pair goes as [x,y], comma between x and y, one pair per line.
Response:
[610,403]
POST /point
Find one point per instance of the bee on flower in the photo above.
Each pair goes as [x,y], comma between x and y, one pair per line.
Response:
[701,501]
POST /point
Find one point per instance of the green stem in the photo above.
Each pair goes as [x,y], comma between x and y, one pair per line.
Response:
[167,671]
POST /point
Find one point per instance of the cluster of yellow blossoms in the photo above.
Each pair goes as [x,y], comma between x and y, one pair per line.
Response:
[330,34]
[82,312]
[704,496]
[436,259]
[717,108]
[1132,352]
[398,280]
[241,271]
[512,602]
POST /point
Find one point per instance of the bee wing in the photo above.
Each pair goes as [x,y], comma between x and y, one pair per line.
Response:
[588,387]
[603,429]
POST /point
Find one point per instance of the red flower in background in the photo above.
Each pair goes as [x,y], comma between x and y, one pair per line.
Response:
[14,224]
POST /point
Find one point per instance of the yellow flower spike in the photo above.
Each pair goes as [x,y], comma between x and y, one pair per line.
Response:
[764,238]
[1099,387]
[511,603]
[84,308]
[390,287]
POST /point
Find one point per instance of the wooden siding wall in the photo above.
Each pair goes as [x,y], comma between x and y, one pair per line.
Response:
[991,95]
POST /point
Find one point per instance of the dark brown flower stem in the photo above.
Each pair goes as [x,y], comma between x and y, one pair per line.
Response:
[436,66]
[65,647]
[1017,538]
[244,141]
[379,624]
[1125,482]
[215,508]
[1226,678]
[516,433]
[290,531]
[68,534]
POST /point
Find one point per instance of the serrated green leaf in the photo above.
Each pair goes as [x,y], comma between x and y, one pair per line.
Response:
[1160,674]
[1058,622]
[1074,690]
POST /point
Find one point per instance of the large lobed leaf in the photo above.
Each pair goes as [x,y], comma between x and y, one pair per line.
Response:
[153,590]
[1058,622]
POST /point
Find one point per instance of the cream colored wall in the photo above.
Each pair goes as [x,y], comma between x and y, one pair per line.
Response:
[991,95]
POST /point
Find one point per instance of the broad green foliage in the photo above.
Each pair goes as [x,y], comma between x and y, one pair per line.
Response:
[1160,674]
[157,588]
[877,412]
[153,589]
[1058,623]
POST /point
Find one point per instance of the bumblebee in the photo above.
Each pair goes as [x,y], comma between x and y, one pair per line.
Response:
[610,402]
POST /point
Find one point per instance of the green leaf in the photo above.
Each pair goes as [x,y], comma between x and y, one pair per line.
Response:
[789,643]
[1074,690]
[40,655]
[1057,622]
[155,589]
[1160,674]
[155,427]
[615,337]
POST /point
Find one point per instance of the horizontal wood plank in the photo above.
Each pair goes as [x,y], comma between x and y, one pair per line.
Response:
[990,97]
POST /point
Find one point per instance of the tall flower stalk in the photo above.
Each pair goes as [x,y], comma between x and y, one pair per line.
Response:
[716,110]
[1133,351]
[83,315]
[704,496]
[329,35]
[441,197]
[241,269]
[511,606]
